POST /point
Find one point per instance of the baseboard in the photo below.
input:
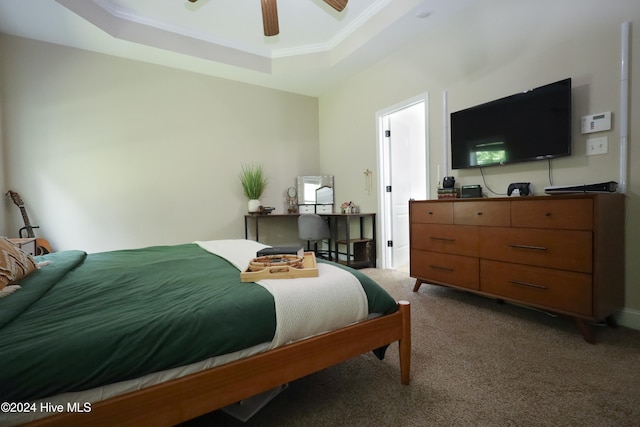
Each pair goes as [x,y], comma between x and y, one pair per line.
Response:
[629,318]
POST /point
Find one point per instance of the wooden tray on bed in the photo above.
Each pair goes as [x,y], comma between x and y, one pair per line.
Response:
[309,269]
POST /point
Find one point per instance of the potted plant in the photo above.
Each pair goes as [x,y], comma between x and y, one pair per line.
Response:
[253,182]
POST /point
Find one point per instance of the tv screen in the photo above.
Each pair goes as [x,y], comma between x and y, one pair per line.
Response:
[532,125]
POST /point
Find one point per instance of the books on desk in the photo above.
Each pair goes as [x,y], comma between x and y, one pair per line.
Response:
[448,193]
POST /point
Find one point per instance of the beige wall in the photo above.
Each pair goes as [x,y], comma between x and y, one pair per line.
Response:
[111,153]
[495,49]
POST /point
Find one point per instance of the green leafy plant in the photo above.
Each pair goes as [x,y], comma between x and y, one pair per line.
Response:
[253,181]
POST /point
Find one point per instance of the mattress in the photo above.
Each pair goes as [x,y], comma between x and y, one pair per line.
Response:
[86,321]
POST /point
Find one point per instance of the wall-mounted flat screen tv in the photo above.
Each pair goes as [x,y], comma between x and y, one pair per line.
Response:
[532,125]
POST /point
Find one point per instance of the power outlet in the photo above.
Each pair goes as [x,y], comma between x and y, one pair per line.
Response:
[597,145]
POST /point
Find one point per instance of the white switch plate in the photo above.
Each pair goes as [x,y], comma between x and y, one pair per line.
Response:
[597,145]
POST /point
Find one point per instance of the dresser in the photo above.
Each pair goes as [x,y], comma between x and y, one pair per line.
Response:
[563,254]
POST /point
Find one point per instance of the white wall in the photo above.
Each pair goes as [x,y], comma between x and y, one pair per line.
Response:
[111,153]
[495,49]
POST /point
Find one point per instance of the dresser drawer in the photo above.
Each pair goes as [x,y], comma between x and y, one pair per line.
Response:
[487,213]
[450,239]
[564,249]
[556,289]
[432,213]
[576,214]
[448,269]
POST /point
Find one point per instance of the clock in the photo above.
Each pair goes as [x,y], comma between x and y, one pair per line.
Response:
[291,198]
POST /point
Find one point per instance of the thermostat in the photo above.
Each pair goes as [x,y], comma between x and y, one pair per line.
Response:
[596,122]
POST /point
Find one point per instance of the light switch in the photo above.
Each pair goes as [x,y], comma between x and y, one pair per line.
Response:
[597,145]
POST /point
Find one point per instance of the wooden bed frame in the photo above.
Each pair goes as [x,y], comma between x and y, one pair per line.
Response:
[182,399]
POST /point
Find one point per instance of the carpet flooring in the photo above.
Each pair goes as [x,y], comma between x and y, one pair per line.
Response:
[475,362]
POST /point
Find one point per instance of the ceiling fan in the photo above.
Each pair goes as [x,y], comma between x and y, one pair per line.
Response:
[270,14]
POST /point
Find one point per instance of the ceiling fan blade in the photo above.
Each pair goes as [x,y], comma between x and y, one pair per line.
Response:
[337,4]
[270,17]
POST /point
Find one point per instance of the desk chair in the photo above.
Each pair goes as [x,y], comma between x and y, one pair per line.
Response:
[313,228]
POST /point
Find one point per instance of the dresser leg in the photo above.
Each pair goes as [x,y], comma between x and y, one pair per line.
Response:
[611,321]
[417,285]
[587,331]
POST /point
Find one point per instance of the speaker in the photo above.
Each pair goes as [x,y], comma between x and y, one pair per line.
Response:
[471,191]
[448,182]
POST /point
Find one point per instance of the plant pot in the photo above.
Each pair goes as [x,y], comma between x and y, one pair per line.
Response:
[254,205]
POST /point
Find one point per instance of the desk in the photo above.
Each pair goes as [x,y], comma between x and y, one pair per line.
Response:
[355,251]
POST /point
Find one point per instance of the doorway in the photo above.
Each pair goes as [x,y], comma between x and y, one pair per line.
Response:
[403,173]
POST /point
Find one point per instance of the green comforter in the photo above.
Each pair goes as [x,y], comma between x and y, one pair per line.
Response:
[89,320]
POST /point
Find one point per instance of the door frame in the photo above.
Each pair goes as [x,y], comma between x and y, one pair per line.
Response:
[384,203]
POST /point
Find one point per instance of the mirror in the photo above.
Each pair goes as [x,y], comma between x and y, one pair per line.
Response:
[315,189]
[324,196]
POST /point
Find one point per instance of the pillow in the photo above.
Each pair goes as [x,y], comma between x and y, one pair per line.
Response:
[15,263]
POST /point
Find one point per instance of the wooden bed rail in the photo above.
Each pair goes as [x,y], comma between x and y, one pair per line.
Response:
[181,399]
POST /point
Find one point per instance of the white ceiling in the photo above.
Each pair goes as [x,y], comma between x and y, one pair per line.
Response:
[317,46]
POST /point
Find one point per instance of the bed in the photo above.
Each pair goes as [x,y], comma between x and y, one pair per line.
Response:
[160,335]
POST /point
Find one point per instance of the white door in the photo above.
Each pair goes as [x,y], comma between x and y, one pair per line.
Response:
[400,153]
[404,170]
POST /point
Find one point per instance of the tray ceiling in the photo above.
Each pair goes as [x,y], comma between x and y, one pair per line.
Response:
[317,46]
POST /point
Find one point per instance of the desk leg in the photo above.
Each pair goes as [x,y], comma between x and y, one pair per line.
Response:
[374,247]
[348,232]
[246,227]
[334,235]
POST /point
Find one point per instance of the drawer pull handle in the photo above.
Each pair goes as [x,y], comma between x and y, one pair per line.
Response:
[437,267]
[478,213]
[430,213]
[443,239]
[535,248]
[547,214]
[531,285]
